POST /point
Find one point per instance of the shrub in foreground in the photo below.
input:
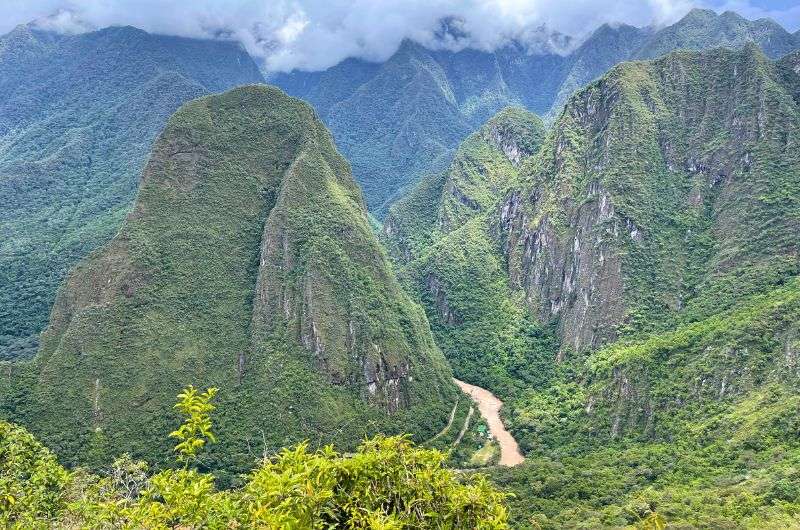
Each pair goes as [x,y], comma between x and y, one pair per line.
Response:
[388,483]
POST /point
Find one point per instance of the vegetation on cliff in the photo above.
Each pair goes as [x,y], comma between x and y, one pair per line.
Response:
[654,234]
[78,115]
[247,264]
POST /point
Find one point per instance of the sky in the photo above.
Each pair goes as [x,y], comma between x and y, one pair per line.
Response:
[316,34]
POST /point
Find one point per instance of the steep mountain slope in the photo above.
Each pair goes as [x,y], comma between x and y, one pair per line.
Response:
[406,120]
[563,235]
[662,183]
[702,28]
[326,88]
[416,124]
[78,115]
[655,235]
[247,263]
[607,46]
[402,119]
[441,234]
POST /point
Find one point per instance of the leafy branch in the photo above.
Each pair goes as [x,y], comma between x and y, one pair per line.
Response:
[195,431]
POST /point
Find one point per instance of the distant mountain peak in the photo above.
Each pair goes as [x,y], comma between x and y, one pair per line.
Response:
[704,28]
[452,34]
[451,30]
[698,13]
[408,45]
[731,14]
[612,31]
[542,40]
[613,26]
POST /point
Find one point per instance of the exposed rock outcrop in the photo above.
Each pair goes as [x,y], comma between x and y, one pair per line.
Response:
[629,212]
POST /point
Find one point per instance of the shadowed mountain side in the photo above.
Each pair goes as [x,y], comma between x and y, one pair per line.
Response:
[78,116]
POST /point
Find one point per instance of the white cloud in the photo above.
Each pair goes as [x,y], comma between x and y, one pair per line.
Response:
[314,34]
[63,21]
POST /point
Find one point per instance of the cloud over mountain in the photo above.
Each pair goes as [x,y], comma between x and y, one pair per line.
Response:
[315,34]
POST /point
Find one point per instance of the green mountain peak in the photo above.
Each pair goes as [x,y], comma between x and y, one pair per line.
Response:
[247,263]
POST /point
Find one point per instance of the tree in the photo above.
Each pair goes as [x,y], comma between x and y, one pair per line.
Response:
[196,428]
[387,484]
[32,483]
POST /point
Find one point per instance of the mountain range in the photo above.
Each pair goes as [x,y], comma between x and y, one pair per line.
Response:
[605,238]
[82,110]
[398,120]
[630,287]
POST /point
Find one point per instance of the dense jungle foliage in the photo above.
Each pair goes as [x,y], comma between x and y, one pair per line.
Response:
[387,484]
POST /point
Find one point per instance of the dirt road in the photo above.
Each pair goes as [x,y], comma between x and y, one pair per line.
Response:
[489,407]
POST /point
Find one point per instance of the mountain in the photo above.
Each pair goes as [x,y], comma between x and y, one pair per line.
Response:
[450,261]
[700,29]
[722,179]
[323,89]
[607,46]
[555,261]
[703,28]
[406,119]
[78,115]
[246,263]
[684,271]
[399,120]
[650,248]
[417,123]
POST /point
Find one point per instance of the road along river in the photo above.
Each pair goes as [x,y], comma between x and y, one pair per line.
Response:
[489,406]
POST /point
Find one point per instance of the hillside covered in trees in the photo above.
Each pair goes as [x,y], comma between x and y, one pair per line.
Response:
[558,288]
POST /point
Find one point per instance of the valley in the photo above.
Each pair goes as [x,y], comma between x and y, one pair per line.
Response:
[451,277]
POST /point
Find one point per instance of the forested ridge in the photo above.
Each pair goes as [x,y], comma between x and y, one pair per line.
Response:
[535,287]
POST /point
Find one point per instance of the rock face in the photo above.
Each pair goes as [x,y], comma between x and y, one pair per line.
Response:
[718,264]
[247,263]
[643,196]
[574,277]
